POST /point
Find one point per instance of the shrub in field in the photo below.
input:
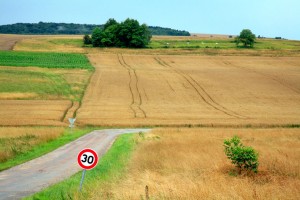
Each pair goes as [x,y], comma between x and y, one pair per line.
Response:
[243,157]
[87,39]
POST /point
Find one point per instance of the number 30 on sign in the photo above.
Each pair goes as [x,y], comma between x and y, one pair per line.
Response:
[87,159]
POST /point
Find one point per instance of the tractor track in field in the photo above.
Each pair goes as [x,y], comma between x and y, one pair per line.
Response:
[271,77]
[66,112]
[136,96]
[202,93]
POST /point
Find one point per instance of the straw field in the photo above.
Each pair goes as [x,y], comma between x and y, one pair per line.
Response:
[130,90]
[33,112]
[191,164]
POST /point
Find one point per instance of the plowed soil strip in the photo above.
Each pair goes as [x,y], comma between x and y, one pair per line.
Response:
[33,176]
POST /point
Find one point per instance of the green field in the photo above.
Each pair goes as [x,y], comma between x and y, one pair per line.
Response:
[47,60]
[43,84]
[43,76]
[192,43]
[224,44]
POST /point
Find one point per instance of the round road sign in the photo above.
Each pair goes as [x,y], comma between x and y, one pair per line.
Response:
[87,159]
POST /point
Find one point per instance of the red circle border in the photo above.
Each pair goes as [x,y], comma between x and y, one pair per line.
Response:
[90,151]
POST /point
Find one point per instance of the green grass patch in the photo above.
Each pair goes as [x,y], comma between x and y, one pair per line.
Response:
[110,167]
[47,60]
[25,152]
[269,44]
[43,84]
[192,44]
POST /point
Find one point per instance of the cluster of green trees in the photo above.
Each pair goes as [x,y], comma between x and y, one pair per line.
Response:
[125,34]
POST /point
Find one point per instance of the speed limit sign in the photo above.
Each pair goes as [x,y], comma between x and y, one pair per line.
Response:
[87,159]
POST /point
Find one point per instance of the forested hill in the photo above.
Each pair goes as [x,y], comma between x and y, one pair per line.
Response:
[80,29]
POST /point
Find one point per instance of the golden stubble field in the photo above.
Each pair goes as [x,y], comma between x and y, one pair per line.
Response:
[130,90]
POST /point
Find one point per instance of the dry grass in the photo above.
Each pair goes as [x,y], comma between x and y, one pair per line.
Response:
[130,90]
[17,95]
[15,140]
[33,112]
[191,164]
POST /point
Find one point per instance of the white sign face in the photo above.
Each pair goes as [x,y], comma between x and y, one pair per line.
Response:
[87,159]
[72,121]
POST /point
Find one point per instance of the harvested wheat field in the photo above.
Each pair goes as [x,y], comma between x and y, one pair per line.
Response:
[182,163]
[33,112]
[51,43]
[129,90]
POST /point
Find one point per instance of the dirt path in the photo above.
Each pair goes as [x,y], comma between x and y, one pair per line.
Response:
[31,177]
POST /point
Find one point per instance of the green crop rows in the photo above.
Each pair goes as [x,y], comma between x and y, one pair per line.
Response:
[47,60]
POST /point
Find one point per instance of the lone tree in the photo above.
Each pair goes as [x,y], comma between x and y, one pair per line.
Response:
[246,37]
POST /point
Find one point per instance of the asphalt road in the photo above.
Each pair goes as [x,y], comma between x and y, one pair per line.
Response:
[31,177]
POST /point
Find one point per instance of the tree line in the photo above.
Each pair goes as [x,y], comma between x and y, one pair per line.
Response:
[71,28]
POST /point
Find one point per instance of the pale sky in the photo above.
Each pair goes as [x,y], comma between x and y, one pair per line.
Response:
[269,18]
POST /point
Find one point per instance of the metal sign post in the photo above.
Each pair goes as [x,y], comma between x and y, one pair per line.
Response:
[87,159]
[82,179]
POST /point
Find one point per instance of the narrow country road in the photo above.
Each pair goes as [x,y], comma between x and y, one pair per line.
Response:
[33,176]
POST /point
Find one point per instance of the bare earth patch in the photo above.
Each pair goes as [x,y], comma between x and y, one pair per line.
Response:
[7,41]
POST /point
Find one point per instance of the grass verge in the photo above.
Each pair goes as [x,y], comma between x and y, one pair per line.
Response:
[110,168]
[42,148]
